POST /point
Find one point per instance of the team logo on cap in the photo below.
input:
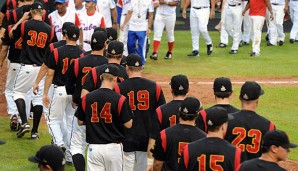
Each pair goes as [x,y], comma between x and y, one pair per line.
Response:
[111,38]
[113,51]
[39,7]
[223,88]
[137,64]
[180,87]
[94,40]
[74,36]
[245,96]
[107,70]
[185,110]
[210,123]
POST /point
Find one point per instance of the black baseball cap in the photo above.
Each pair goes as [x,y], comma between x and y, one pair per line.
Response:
[112,34]
[99,38]
[222,84]
[73,32]
[277,138]
[36,5]
[251,90]
[134,60]
[179,83]
[100,29]
[115,48]
[65,26]
[190,106]
[216,116]
[51,155]
[111,69]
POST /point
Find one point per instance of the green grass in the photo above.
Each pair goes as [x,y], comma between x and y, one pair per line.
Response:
[278,104]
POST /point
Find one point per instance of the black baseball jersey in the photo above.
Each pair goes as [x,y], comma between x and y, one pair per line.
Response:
[93,81]
[144,97]
[165,116]
[15,46]
[60,59]
[201,120]
[37,35]
[210,154]
[52,46]
[246,131]
[171,141]
[104,112]
[8,5]
[78,72]
[260,165]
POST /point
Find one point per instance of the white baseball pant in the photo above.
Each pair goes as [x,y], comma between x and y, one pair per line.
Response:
[224,37]
[199,19]
[123,35]
[247,32]
[257,23]
[166,22]
[276,28]
[78,138]
[293,5]
[136,160]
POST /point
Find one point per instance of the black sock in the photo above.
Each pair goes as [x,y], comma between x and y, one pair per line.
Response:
[78,162]
[37,112]
[22,110]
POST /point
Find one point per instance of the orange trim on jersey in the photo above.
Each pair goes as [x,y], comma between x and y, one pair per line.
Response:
[77,21]
[55,51]
[94,76]
[117,89]
[51,47]
[204,116]
[120,104]
[7,2]
[22,28]
[7,14]
[45,1]
[76,67]
[237,159]
[44,15]
[163,138]
[272,126]
[159,115]
[102,23]
[84,103]
[158,91]
[186,156]
[14,4]
[239,167]
[82,54]
[52,34]
[9,28]
[15,17]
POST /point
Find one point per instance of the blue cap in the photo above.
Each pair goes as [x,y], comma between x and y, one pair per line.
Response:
[60,1]
[91,1]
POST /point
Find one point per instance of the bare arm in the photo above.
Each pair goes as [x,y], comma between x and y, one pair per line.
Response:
[187,3]
[81,37]
[3,54]
[127,18]
[150,21]
[286,6]
[150,146]
[128,124]
[47,84]
[268,4]
[42,72]
[84,92]
[114,17]
[80,122]
[246,8]
[157,165]
[212,10]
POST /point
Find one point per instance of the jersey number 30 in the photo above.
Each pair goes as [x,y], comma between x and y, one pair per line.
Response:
[38,39]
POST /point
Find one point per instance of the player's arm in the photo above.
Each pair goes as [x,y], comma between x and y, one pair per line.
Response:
[186,5]
[24,18]
[150,21]
[47,84]
[127,18]
[183,160]
[80,114]
[3,54]
[158,151]
[246,8]
[157,165]
[114,15]
[71,78]
[126,114]
[42,72]
[212,10]
[268,4]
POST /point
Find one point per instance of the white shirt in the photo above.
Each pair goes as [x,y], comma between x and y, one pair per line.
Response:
[166,9]
[280,2]
[200,3]
[78,11]
[124,4]
[104,7]
[140,9]
[234,2]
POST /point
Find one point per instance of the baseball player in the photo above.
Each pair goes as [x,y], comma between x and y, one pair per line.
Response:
[294,17]
[104,128]
[61,15]
[8,5]
[78,6]
[275,148]
[61,110]
[275,26]
[108,9]
[165,18]
[90,20]
[140,18]
[222,88]
[257,14]
[171,141]
[212,152]
[76,77]
[36,35]
[200,13]
[244,133]
[246,26]
[224,36]
[144,97]
[233,22]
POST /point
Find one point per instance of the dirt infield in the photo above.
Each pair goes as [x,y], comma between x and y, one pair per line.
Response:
[201,91]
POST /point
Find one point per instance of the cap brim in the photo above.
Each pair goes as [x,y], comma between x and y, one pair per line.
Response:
[290,145]
[34,159]
[262,92]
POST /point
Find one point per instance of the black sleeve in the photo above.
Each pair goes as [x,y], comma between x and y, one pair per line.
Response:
[126,113]
[158,151]
[161,99]
[4,8]
[182,163]
[17,31]
[50,61]
[80,114]
[71,78]
[89,82]
[155,125]
[5,39]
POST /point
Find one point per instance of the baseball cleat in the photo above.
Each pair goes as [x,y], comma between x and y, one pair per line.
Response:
[194,53]
[254,54]
[241,43]
[168,55]
[267,37]
[34,135]
[154,56]
[233,52]
[269,44]
[25,128]
[292,40]
[209,49]
[14,123]
[280,43]
[245,43]
[221,45]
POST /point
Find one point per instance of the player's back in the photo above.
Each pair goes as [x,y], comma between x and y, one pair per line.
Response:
[174,140]
[36,36]
[246,130]
[260,165]
[210,153]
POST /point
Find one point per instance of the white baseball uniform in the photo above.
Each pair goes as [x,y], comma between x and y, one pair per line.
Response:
[224,36]
[293,7]
[233,21]
[89,23]
[57,21]
[247,33]
[199,18]
[104,7]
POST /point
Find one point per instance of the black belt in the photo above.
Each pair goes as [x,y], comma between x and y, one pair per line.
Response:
[34,65]
[275,4]
[234,5]
[88,42]
[200,7]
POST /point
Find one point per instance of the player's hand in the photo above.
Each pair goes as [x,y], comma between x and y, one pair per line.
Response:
[115,26]
[271,16]
[45,101]
[243,13]
[148,31]
[286,9]
[25,16]
[149,168]
[35,89]
[2,31]
[212,14]
[74,105]
[122,27]
[184,14]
